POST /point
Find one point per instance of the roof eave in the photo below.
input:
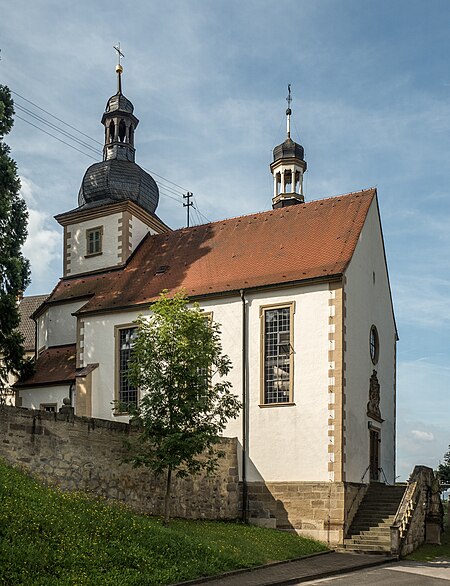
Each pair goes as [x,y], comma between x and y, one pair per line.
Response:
[219,294]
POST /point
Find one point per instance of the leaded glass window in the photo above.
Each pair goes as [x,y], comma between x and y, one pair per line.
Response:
[277,355]
[127,392]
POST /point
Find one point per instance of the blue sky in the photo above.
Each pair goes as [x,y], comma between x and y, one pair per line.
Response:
[371,88]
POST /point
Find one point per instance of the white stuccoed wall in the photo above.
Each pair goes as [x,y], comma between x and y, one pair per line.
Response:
[33,398]
[79,263]
[57,325]
[138,231]
[366,304]
[285,442]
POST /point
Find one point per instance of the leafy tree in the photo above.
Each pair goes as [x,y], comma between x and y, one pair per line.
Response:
[178,366]
[14,268]
[444,469]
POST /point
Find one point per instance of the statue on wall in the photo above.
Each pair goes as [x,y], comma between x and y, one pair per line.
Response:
[373,406]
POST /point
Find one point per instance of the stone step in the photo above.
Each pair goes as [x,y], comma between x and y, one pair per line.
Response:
[358,527]
[367,548]
[368,539]
[365,525]
[372,521]
[374,531]
[374,514]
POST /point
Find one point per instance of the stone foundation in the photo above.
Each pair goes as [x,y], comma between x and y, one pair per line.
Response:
[80,453]
[321,510]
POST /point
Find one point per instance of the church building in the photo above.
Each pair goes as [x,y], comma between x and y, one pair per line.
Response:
[303,298]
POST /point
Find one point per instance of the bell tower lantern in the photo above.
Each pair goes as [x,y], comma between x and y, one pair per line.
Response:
[288,167]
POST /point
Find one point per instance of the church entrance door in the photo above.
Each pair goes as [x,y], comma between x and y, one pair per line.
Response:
[374,455]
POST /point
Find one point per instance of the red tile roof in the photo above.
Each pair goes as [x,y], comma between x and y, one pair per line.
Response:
[54,365]
[301,242]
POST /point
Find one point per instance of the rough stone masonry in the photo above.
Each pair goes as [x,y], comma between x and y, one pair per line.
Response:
[80,453]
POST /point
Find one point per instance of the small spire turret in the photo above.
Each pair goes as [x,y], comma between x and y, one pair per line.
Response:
[119,121]
[288,167]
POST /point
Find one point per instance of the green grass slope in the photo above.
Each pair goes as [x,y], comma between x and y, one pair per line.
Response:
[51,538]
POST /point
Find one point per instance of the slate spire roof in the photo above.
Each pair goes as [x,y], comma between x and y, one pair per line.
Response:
[309,241]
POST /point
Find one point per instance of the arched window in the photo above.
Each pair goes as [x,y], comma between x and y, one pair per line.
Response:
[122,131]
[112,129]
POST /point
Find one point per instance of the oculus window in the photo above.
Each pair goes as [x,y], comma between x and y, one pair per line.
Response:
[374,344]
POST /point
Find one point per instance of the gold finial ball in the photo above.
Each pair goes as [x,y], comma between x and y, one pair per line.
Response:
[119,68]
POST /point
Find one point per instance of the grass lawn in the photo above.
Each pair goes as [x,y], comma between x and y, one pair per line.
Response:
[51,538]
[428,552]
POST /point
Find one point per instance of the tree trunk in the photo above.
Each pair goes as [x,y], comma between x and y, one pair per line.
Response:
[167,497]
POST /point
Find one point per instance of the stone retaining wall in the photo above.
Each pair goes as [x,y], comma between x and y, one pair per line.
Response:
[313,509]
[80,453]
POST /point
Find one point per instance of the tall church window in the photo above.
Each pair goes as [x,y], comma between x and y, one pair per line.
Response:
[126,393]
[94,241]
[277,354]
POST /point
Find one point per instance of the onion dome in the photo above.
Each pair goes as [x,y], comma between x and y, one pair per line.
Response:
[288,149]
[115,180]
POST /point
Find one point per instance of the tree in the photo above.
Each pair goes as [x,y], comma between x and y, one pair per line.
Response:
[14,268]
[444,469]
[178,366]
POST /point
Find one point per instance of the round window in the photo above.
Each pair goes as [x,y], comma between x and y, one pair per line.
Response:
[374,344]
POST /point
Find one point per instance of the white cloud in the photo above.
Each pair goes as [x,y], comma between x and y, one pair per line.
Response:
[422,302]
[43,243]
[425,436]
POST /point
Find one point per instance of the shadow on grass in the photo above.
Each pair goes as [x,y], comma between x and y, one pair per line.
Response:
[435,553]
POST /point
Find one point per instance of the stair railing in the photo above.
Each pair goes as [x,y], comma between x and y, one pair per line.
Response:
[408,505]
[384,476]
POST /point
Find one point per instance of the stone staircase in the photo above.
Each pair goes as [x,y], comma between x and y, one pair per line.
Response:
[370,528]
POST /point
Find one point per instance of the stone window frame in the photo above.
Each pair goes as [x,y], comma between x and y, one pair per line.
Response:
[262,311]
[90,231]
[117,330]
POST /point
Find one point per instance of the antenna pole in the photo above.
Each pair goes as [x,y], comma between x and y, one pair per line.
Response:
[188,205]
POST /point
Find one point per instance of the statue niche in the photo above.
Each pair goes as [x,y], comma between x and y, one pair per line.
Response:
[373,406]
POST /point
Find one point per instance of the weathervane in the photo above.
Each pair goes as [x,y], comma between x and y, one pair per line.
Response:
[289,111]
[119,68]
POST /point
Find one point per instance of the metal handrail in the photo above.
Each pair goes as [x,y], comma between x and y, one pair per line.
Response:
[385,479]
[365,472]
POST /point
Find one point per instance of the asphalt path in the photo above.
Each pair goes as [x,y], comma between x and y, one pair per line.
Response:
[398,573]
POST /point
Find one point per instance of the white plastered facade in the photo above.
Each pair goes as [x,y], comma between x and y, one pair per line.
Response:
[298,430]
[368,302]
[78,259]
[36,397]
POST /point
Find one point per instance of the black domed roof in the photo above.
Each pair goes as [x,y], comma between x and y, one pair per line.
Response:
[116,180]
[119,102]
[288,149]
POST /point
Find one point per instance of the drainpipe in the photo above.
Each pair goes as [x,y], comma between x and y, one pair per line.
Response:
[244,411]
